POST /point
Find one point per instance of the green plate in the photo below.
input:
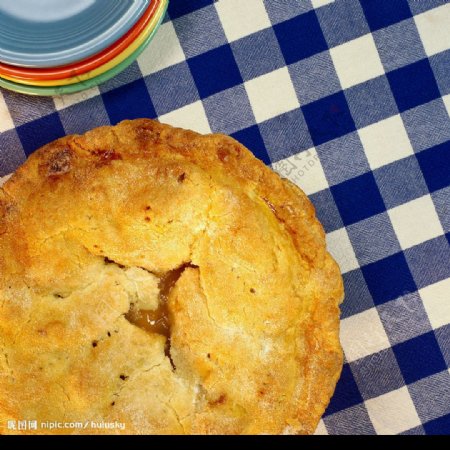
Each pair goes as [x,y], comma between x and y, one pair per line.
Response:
[77,87]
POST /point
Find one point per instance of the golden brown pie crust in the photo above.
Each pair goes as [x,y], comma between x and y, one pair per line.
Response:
[89,224]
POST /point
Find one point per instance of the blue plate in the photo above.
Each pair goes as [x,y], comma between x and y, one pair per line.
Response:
[50,33]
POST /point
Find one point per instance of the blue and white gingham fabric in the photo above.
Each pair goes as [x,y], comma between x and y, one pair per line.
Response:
[350,100]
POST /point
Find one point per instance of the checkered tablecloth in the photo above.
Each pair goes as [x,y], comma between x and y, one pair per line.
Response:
[350,100]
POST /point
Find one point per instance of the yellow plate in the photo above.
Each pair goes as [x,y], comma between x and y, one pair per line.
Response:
[105,67]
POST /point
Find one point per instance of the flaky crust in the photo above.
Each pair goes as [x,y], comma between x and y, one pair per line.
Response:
[89,223]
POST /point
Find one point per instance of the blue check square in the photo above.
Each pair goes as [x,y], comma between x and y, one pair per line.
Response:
[172,88]
[377,374]
[400,181]
[314,77]
[345,153]
[123,79]
[309,37]
[413,85]
[389,278]
[20,110]
[346,394]
[351,421]
[416,431]
[357,295]
[342,21]
[215,71]
[399,45]
[358,198]
[258,54]
[438,427]
[229,111]
[285,135]
[326,210]
[279,11]
[431,396]
[382,13]
[435,163]
[252,139]
[199,31]
[180,8]
[421,6]
[419,357]
[439,64]
[82,117]
[436,253]
[369,246]
[130,101]
[441,200]
[328,118]
[443,337]
[12,154]
[30,133]
[427,125]
[371,101]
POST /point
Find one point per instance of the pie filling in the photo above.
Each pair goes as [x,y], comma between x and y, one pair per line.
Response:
[158,320]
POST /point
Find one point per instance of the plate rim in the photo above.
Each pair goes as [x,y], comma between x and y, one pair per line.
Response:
[102,68]
[81,51]
[92,82]
[88,64]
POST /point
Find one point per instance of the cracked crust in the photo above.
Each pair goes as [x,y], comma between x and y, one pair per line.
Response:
[254,315]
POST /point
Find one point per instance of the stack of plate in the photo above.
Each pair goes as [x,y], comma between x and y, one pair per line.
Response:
[55,47]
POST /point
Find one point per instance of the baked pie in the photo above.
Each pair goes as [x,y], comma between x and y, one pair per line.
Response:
[163,280]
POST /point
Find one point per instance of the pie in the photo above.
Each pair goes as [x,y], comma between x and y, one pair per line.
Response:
[166,281]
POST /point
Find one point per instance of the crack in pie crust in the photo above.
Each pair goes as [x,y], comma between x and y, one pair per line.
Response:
[166,280]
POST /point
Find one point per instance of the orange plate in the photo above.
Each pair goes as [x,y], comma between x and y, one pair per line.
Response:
[71,70]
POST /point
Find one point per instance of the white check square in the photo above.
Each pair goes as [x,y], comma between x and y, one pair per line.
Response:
[357,61]
[385,141]
[434,29]
[393,413]
[446,99]
[321,429]
[436,300]
[64,101]
[4,179]
[305,170]
[415,222]
[363,334]
[319,3]
[235,17]
[6,122]
[164,51]
[340,247]
[191,117]
[272,94]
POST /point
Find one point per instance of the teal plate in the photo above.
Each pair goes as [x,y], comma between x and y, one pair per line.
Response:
[77,87]
[50,33]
